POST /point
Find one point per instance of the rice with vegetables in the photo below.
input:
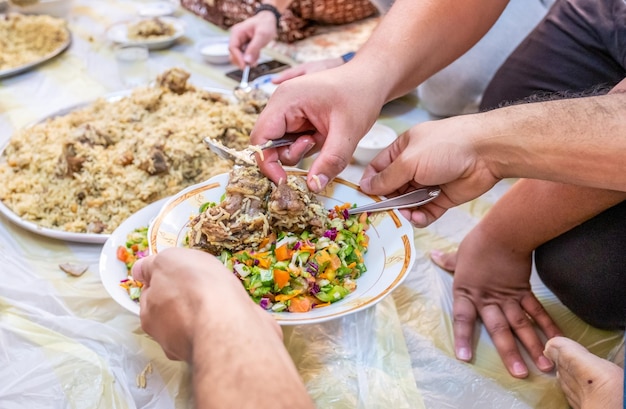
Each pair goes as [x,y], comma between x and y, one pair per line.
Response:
[89,170]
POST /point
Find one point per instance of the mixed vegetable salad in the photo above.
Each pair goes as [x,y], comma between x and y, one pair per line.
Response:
[136,247]
[296,273]
[288,272]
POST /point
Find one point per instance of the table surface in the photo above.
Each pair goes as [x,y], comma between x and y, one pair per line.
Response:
[66,343]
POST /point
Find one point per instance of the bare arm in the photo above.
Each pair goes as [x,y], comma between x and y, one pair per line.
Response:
[200,313]
[578,141]
[413,41]
[418,38]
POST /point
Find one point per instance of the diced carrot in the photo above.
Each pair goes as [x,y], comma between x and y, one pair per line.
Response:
[335,261]
[264,262]
[322,257]
[122,254]
[281,278]
[307,248]
[134,247]
[326,304]
[283,253]
[300,304]
[285,297]
[352,265]
[269,239]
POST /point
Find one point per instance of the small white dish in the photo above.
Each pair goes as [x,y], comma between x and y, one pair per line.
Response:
[377,139]
[118,33]
[389,259]
[157,9]
[215,51]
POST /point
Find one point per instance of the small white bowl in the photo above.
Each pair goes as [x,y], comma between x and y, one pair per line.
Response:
[377,139]
[215,52]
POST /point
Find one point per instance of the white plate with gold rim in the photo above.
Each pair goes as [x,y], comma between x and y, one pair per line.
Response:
[389,258]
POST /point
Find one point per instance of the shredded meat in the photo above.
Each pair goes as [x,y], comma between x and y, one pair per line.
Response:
[252,209]
[293,208]
[239,221]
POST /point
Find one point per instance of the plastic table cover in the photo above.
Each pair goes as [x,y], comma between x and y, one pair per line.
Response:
[66,343]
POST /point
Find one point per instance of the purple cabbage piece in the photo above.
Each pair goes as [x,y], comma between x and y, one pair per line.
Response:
[265,303]
[312,268]
[331,233]
[297,246]
[142,253]
[345,214]
[314,288]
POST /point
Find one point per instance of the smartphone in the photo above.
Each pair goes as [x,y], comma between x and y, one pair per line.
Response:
[265,68]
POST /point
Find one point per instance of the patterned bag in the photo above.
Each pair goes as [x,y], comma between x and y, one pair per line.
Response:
[299,21]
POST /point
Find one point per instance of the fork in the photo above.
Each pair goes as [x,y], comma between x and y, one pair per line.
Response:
[246,155]
[412,199]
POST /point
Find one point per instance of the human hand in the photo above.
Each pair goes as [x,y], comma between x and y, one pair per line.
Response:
[182,290]
[431,153]
[307,68]
[337,109]
[492,282]
[248,37]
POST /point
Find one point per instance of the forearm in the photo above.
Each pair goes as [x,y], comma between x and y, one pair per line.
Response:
[239,361]
[576,141]
[418,38]
[533,212]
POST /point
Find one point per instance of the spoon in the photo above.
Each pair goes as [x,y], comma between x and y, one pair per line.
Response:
[412,199]
[244,87]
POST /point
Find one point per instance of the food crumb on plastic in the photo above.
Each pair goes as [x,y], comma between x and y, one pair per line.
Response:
[142,382]
[72,269]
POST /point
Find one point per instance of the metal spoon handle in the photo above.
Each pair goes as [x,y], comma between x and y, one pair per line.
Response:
[412,199]
[244,77]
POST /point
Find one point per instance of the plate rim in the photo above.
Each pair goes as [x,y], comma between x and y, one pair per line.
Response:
[108,250]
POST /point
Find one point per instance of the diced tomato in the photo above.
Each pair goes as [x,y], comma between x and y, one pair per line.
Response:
[122,254]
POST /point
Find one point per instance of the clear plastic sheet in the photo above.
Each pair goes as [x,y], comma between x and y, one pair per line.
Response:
[64,343]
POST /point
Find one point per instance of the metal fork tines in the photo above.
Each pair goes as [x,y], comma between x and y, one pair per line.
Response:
[247,155]
[412,199]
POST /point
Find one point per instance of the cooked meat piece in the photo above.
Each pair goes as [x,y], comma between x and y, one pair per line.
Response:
[73,162]
[156,162]
[294,208]
[174,79]
[96,227]
[240,220]
[249,213]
